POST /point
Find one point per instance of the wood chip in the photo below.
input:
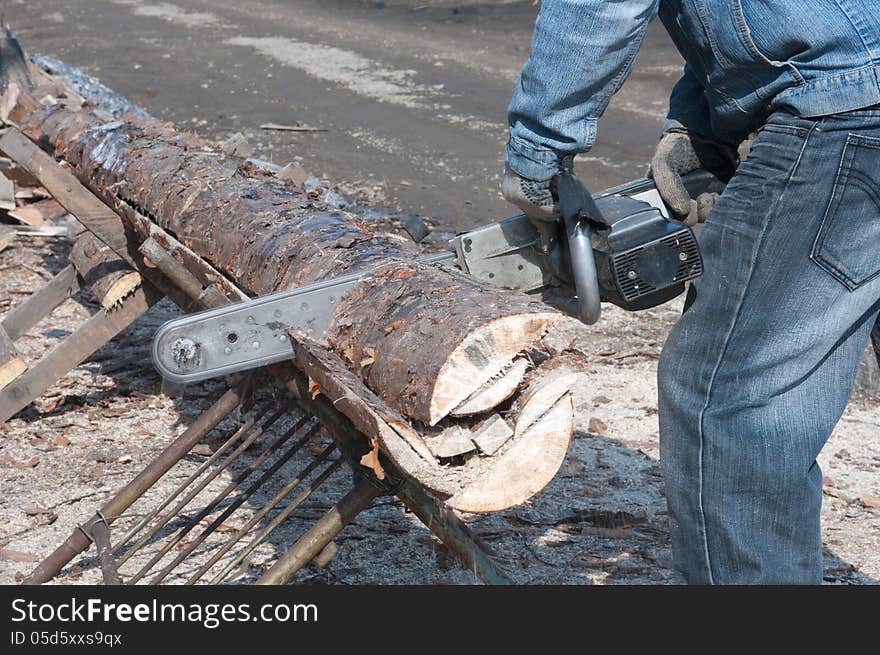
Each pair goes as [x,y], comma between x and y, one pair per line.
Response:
[371,459]
[31,463]
[9,555]
[27,215]
[237,145]
[871,502]
[597,426]
[491,434]
[294,173]
[453,441]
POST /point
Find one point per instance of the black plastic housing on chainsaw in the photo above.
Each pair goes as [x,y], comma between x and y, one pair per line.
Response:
[642,259]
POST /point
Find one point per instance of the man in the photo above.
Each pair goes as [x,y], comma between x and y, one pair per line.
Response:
[757,372]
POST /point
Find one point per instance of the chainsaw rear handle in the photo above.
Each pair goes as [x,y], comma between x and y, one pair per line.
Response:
[578,210]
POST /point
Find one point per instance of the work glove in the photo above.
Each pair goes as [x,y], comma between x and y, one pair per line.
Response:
[680,153]
[535,198]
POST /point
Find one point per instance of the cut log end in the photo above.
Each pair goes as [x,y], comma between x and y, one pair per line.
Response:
[482,357]
[525,467]
[10,370]
[120,290]
[495,391]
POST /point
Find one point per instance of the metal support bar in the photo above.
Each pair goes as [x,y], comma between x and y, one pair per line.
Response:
[247,443]
[238,479]
[256,518]
[445,524]
[77,542]
[239,500]
[321,534]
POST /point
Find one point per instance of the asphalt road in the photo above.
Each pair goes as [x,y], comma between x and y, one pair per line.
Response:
[412,95]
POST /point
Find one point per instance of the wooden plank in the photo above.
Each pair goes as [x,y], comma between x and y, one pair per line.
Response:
[7,237]
[93,334]
[27,314]
[67,190]
[11,365]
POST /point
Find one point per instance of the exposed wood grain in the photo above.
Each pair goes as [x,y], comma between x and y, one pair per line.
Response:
[11,364]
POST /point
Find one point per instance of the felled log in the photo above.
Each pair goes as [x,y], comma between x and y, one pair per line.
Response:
[109,279]
[430,343]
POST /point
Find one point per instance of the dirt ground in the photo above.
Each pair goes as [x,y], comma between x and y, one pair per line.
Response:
[412,99]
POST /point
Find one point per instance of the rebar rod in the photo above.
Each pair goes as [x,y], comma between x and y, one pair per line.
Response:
[239,500]
[281,495]
[274,523]
[321,533]
[77,542]
[195,491]
[237,434]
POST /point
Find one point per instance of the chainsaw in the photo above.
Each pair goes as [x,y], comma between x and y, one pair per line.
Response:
[617,246]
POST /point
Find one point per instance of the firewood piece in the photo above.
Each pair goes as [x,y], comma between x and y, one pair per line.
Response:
[370,415]
[451,442]
[491,434]
[525,467]
[542,434]
[495,391]
[108,277]
[11,365]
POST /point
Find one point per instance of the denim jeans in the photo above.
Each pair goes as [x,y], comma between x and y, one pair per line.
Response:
[759,369]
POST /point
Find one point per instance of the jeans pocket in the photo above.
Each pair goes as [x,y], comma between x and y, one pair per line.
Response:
[848,243]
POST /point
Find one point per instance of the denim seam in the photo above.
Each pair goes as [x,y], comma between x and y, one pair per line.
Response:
[736,316]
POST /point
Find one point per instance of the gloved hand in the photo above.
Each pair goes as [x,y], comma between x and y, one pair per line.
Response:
[680,153]
[535,198]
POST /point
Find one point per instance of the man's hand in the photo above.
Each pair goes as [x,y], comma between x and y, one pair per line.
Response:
[680,153]
[534,198]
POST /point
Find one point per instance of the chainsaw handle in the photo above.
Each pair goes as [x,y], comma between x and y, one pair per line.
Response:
[577,208]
